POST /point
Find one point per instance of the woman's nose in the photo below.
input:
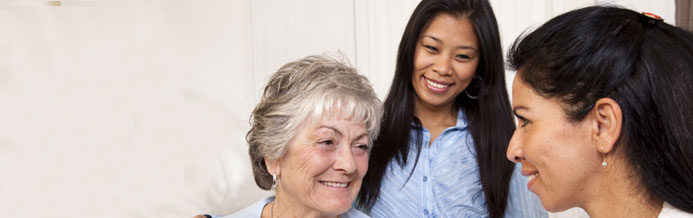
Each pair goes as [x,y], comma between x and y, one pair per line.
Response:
[514,152]
[442,65]
[344,160]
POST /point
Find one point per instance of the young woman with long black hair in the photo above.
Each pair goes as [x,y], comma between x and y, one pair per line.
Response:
[447,123]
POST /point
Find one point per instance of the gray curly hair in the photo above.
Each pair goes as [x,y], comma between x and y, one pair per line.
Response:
[303,90]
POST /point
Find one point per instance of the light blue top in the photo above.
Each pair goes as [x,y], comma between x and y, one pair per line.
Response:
[255,211]
[446,182]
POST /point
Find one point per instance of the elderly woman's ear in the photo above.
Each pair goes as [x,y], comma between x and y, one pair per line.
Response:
[272,167]
[607,122]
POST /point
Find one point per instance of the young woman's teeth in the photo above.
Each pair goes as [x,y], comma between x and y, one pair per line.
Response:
[436,85]
[531,177]
[334,184]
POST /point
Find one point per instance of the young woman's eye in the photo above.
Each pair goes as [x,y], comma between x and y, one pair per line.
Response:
[431,48]
[463,57]
[523,121]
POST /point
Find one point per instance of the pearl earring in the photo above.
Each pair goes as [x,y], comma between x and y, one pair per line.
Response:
[604,164]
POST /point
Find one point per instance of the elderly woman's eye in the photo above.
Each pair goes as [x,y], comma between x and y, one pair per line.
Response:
[326,142]
[360,149]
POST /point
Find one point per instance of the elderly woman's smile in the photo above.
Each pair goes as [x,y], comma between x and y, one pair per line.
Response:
[335,184]
[310,139]
[325,163]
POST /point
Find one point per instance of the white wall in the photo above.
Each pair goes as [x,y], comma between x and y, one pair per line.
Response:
[133,108]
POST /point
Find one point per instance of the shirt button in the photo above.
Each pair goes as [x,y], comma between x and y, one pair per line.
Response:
[425,178]
[425,211]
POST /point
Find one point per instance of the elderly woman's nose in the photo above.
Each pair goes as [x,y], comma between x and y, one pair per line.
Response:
[344,160]
[514,152]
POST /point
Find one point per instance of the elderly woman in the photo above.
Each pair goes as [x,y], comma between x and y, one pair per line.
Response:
[310,140]
[604,101]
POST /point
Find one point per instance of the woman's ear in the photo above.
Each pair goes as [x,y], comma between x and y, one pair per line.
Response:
[272,166]
[607,124]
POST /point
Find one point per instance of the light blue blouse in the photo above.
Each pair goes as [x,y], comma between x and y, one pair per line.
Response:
[255,211]
[446,182]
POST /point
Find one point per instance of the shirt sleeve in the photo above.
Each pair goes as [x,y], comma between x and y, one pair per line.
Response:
[521,201]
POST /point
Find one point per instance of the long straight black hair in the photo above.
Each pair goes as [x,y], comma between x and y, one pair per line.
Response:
[489,116]
[642,63]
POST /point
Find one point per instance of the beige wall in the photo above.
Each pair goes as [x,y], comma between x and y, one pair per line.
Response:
[132,108]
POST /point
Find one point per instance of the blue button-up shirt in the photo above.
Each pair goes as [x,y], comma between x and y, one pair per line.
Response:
[446,182]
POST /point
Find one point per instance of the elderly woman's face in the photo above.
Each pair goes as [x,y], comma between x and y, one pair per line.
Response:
[557,155]
[325,164]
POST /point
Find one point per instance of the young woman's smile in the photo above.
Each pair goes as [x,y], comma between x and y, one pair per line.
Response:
[445,60]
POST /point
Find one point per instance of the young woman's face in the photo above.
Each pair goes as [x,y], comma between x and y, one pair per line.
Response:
[324,166]
[446,57]
[557,155]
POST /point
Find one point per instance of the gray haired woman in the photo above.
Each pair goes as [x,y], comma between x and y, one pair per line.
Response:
[310,139]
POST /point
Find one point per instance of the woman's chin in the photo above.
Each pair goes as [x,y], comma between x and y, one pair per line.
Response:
[554,207]
[335,206]
[335,200]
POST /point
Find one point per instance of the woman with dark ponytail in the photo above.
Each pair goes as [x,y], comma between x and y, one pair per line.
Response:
[447,123]
[605,104]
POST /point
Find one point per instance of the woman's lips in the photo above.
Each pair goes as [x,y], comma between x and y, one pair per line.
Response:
[335,184]
[436,86]
[531,177]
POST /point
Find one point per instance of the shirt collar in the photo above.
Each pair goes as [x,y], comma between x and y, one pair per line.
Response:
[461,119]
[461,122]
